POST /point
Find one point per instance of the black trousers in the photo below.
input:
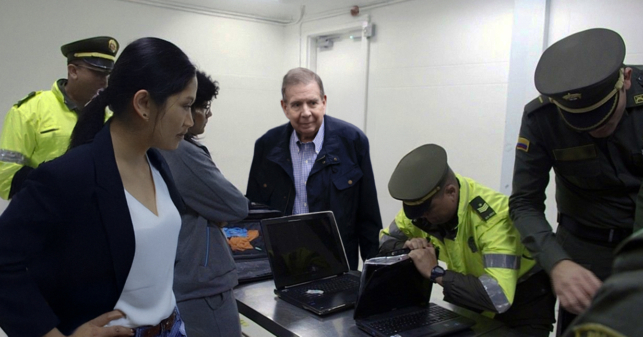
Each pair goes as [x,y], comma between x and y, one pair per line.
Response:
[532,311]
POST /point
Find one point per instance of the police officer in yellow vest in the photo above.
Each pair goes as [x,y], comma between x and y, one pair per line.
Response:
[587,125]
[488,267]
[39,126]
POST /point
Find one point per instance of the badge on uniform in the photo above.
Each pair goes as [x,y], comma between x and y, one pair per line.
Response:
[523,144]
[482,208]
[638,99]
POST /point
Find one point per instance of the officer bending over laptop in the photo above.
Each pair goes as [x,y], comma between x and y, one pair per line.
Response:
[489,269]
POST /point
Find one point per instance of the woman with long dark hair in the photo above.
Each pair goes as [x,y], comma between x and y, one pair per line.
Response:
[87,247]
[205,271]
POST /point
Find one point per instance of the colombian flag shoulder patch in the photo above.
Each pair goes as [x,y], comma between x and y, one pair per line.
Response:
[523,144]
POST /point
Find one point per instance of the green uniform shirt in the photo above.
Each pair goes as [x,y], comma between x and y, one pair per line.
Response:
[597,180]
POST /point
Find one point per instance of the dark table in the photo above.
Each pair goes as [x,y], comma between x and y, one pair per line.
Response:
[258,302]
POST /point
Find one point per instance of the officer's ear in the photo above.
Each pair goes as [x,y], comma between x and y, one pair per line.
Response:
[72,71]
[627,78]
[451,190]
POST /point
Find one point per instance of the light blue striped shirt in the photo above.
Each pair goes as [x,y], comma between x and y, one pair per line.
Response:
[303,158]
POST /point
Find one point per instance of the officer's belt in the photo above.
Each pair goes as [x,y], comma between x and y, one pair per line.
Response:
[609,236]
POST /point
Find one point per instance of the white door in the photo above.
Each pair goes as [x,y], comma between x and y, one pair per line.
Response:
[342,68]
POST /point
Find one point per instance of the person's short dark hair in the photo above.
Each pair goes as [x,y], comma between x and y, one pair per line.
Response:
[207,89]
[150,64]
[300,76]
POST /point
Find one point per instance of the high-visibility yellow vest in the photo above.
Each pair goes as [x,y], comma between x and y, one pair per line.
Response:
[487,245]
[37,129]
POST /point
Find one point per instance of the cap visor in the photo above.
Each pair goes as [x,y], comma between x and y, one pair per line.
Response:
[99,63]
[589,121]
[417,211]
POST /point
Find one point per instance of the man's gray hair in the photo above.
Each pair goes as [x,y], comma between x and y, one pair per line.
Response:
[300,76]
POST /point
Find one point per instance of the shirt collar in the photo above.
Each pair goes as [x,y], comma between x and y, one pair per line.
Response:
[62,83]
[318,141]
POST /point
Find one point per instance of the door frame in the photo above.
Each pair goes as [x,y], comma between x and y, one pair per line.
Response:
[309,53]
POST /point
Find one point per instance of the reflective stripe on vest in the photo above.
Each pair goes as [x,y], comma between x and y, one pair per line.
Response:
[497,296]
[501,261]
[12,157]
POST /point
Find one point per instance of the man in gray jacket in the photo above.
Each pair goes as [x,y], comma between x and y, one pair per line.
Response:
[205,273]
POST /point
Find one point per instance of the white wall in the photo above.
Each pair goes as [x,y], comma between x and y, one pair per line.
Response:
[245,57]
[623,16]
[438,74]
[438,70]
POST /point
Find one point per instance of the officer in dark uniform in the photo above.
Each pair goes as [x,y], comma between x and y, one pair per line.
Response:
[616,308]
[588,126]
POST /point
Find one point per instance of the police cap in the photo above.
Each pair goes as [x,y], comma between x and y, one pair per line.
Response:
[99,53]
[418,177]
[582,74]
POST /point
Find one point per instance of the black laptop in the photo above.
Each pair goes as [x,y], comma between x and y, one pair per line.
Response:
[394,301]
[308,262]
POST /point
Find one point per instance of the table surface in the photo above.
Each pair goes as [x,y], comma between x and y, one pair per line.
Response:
[258,302]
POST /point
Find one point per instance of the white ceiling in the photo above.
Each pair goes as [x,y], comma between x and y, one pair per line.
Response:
[277,11]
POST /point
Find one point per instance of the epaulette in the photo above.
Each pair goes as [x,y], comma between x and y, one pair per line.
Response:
[482,208]
[28,97]
[635,92]
[537,104]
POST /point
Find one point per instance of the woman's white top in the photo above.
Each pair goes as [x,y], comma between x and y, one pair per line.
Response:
[147,297]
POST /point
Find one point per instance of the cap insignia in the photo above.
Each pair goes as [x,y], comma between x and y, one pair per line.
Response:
[572,97]
[113,45]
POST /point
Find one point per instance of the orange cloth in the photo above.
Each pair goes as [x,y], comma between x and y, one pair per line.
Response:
[240,244]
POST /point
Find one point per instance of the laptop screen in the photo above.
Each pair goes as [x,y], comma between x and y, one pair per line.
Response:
[303,248]
[390,287]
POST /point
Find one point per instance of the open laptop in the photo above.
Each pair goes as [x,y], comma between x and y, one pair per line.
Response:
[308,262]
[394,301]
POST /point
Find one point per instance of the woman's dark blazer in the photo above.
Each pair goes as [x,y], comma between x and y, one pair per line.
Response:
[67,241]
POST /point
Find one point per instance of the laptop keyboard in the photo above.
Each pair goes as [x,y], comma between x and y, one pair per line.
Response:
[413,320]
[330,286]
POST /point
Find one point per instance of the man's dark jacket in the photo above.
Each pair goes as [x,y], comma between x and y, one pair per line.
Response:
[341,180]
